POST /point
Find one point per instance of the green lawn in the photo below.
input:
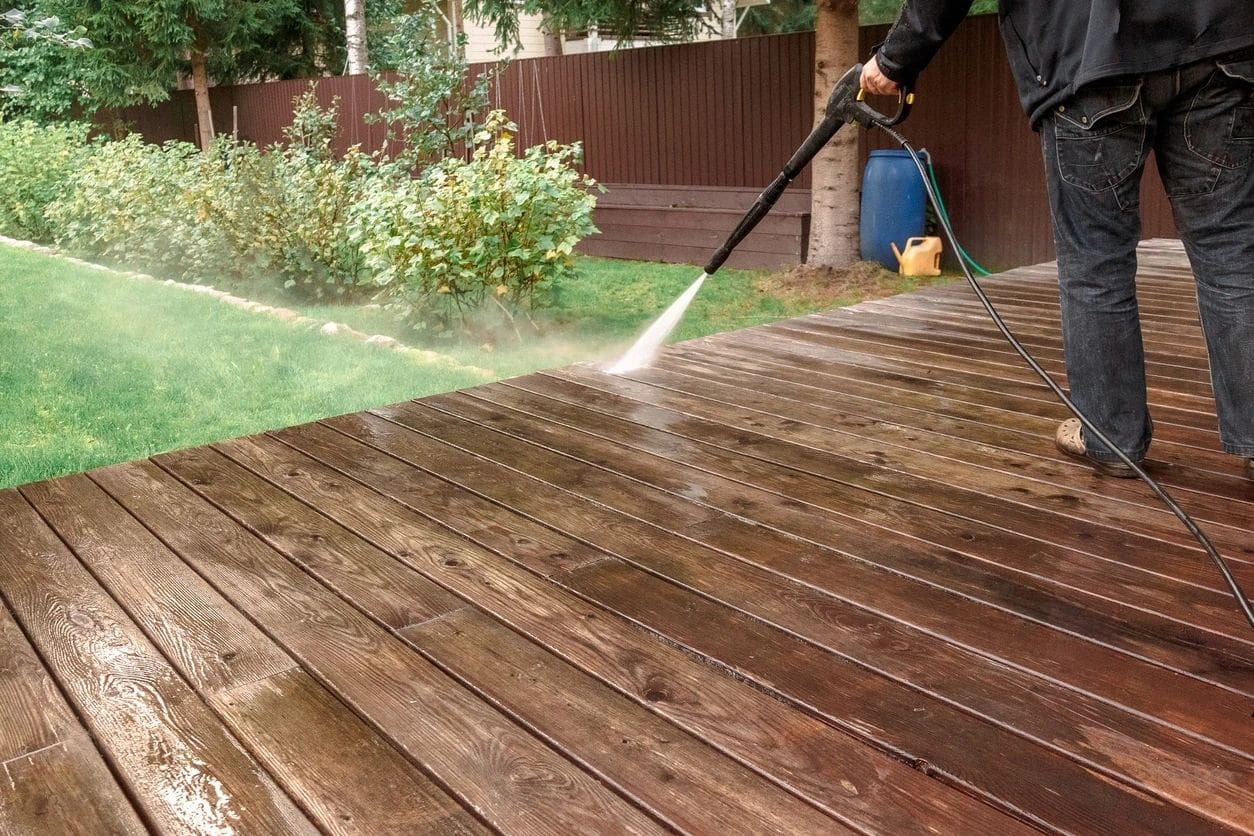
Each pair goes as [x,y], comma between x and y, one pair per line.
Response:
[601,313]
[96,368]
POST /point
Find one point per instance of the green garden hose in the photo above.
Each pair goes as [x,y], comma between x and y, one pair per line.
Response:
[944,213]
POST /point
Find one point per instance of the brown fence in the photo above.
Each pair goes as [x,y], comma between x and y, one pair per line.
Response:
[726,113]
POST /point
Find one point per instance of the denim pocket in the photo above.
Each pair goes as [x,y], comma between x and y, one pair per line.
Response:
[1243,118]
[1100,135]
[1220,124]
[1242,70]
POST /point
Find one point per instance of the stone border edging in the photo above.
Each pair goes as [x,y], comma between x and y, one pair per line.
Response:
[285,314]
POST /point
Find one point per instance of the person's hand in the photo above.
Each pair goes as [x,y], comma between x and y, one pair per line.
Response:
[875,82]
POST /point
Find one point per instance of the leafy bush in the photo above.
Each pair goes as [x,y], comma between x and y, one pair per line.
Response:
[492,232]
[314,127]
[288,212]
[497,229]
[236,213]
[306,235]
[304,232]
[433,110]
[36,165]
[147,205]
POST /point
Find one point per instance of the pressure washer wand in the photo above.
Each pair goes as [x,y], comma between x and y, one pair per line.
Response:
[844,106]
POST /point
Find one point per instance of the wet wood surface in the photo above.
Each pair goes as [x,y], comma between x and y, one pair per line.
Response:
[824,576]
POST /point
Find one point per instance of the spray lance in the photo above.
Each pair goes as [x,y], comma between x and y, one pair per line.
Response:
[846,106]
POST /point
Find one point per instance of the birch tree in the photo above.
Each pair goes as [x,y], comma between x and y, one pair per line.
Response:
[355,36]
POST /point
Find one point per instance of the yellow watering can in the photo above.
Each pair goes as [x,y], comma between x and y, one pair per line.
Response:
[921,257]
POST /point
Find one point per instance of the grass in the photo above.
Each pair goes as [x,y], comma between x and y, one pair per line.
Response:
[601,312]
[607,306]
[96,368]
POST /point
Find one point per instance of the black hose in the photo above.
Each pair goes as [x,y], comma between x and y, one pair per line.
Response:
[1242,601]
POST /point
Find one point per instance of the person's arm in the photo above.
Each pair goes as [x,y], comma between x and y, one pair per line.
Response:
[921,28]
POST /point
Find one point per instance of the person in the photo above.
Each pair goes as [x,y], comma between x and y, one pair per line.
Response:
[1104,82]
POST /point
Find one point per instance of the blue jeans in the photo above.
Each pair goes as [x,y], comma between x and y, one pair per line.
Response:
[1199,121]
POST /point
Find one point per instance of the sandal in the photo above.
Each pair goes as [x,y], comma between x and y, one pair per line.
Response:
[1070,440]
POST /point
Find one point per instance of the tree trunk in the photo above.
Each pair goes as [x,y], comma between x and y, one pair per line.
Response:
[455,17]
[200,86]
[552,42]
[834,172]
[729,19]
[355,36]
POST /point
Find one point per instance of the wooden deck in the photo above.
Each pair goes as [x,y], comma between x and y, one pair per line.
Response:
[824,576]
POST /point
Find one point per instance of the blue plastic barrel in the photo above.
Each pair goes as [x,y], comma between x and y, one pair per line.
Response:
[893,202]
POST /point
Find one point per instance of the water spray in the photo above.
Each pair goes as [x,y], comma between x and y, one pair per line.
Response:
[846,106]
[645,348]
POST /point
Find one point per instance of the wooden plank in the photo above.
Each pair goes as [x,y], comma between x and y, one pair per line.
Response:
[332,763]
[1164,299]
[35,715]
[799,752]
[687,783]
[910,381]
[943,739]
[209,642]
[863,494]
[680,254]
[1155,314]
[349,777]
[737,441]
[537,547]
[863,324]
[1236,545]
[324,559]
[591,737]
[343,560]
[698,197]
[1031,332]
[717,220]
[1026,291]
[1188,411]
[185,771]
[1194,392]
[660,231]
[1210,609]
[1213,714]
[1047,483]
[767,656]
[769,390]
[52,779]
[506,776]
[1182,365]
[64,790]
[1169,309]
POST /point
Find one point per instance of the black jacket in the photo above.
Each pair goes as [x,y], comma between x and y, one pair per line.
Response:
[1057,46]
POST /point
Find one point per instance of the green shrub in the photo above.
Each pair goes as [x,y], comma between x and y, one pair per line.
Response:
[497,230]
[304,232]
[434,107]
[237,213]
[36,165]
[148,206]
[303,236]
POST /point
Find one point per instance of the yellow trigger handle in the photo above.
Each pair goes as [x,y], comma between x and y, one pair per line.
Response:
[905,100]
